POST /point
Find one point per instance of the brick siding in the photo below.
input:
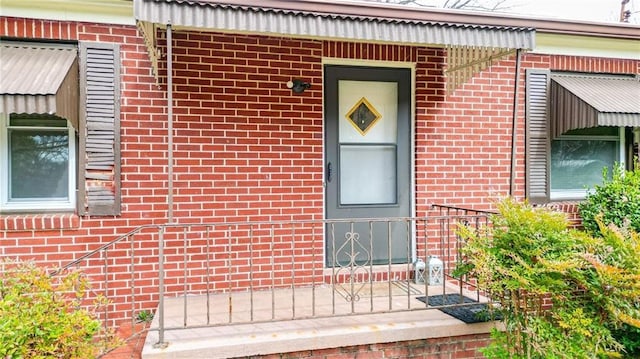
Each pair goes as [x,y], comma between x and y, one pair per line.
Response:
[447,347]
[248,149]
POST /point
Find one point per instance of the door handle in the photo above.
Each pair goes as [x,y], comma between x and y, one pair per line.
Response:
[329,171]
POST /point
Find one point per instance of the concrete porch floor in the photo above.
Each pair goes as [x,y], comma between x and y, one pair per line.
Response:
[337,322]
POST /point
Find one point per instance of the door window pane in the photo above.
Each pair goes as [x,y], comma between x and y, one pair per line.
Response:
[367,174]
[381,97]
[38,164]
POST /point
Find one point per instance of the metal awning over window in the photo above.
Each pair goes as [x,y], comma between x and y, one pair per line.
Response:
[39,79]
[583,101]
[471,47]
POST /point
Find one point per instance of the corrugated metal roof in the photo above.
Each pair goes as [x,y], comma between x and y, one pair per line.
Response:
[39,78]
[583,101]
[233,17]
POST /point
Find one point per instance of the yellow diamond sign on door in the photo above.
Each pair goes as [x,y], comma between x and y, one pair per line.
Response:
[363,116]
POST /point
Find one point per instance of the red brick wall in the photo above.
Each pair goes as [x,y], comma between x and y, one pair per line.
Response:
[464,137]
[448,347]
[247,148]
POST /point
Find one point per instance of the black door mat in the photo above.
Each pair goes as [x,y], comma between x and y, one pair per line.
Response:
[471,313]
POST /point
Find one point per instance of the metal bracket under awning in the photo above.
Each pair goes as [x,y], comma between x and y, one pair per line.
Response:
[149,35]
[463,62]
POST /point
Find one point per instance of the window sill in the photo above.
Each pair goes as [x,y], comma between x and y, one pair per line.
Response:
[563,205]
[570,208]
[38,222]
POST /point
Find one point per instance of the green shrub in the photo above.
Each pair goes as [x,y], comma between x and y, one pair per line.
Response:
[41,316]
[144,316]
[617,200]
[629,337]
[530,257]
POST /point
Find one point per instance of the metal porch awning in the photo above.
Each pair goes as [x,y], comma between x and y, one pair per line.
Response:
[470,47]
[39,79]
[584,101]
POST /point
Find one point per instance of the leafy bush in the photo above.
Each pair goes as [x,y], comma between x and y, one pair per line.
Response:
[530,262]
[144,316]
[41,316]
[617,200]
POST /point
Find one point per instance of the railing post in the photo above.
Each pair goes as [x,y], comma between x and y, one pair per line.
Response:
[161,344]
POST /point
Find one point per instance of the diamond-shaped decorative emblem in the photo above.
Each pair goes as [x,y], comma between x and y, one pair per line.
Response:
[363,116]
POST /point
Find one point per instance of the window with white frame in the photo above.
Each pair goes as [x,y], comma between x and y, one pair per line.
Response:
[37,163]
[578,158]
[55,100]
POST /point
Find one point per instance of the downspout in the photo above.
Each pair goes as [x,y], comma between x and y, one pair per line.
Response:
[636,146]
[170,121]
[514,123]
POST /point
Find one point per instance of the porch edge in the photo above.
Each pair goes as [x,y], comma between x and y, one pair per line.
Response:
[310,334]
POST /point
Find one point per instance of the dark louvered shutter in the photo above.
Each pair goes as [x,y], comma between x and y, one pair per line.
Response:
[537,136]
[99,132]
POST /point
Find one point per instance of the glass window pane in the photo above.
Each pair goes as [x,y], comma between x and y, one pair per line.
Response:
[367,174]
[382,97]
[38,121]
[577,164]
[38,164]
[595,131]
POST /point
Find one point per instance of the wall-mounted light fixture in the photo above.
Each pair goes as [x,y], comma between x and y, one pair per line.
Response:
[297,85]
